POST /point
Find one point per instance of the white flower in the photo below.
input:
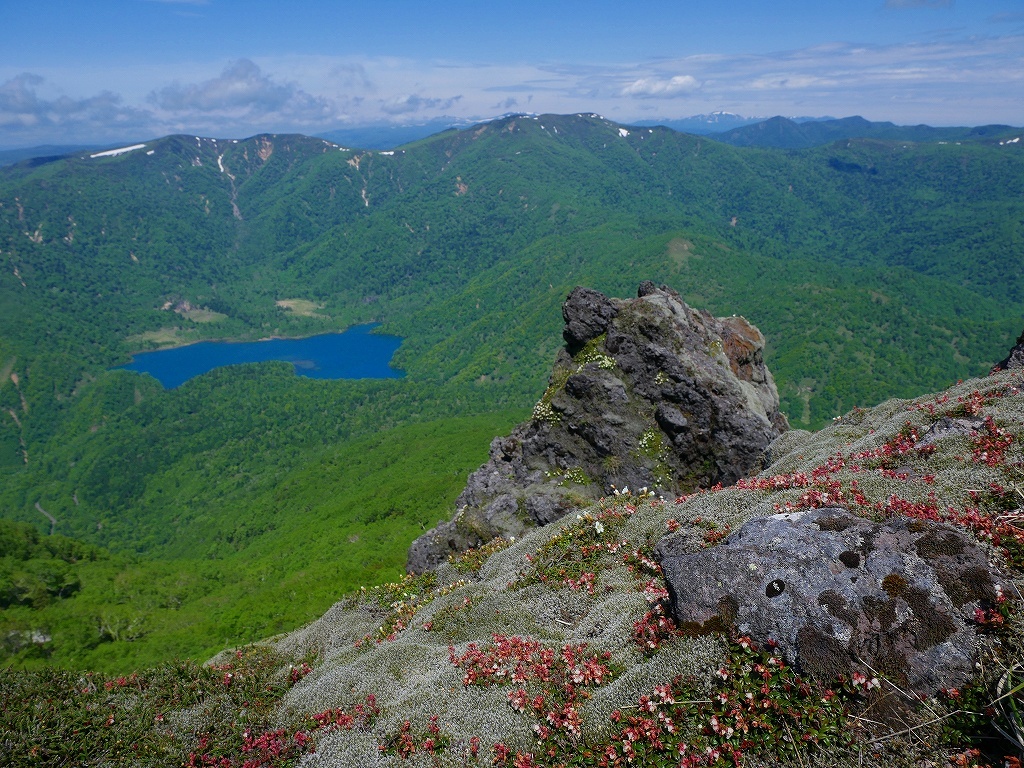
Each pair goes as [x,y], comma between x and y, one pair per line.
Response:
[599,527]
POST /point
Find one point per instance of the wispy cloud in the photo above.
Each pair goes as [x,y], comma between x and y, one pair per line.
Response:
[510,103]
[655,87]
[350,76]
[942,82]
[24,113]
[409,104]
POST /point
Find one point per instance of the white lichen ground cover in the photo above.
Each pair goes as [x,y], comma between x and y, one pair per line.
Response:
[402,645]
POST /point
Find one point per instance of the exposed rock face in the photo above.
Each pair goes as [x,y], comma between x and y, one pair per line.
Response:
[647,392]
[1016,357]
[834,589]
[587,314]
[966,426]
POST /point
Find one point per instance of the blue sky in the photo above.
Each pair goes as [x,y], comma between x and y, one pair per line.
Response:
[111,70]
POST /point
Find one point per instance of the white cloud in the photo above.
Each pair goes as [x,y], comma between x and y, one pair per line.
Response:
[653,87]
[25,114]
[350,76]
[242,91]
[791,81]
[1005,18]
[967,81]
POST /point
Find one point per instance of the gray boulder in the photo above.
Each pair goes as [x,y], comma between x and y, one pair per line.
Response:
[587,314]
[646,393]
[946,426]
[840,593]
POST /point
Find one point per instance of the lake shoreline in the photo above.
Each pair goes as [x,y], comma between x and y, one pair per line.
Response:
[353,353]
[274,337]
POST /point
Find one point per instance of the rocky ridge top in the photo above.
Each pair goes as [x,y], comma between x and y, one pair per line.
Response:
[884,511]
[878,561]
[647,393]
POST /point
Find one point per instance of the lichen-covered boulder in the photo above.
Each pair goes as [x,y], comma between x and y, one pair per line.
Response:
[646,393]
[840,593]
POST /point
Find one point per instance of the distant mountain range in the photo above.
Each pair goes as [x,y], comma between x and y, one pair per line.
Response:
[12,156]
[737,130]
[711,123]
[389,136]
[785,133]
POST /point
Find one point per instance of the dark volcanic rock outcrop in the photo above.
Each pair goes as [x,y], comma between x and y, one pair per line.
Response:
[1016,357]
[646,393]
[837,591]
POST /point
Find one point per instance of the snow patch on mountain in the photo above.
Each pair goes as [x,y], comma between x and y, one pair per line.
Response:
[115,152]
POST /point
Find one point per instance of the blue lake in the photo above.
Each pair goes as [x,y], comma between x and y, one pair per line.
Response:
[354,354]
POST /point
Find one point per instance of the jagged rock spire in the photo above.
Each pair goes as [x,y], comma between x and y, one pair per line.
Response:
[647,392]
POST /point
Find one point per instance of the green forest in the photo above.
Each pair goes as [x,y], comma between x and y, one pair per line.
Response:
[247,501]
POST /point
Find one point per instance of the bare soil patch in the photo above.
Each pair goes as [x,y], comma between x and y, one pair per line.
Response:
[302,307]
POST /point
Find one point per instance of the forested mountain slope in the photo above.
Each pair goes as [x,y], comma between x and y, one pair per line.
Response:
[874,269]
[566,647]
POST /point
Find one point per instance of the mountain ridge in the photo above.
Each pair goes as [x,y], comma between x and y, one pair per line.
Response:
[874,270]
[741,131]
[786,133]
